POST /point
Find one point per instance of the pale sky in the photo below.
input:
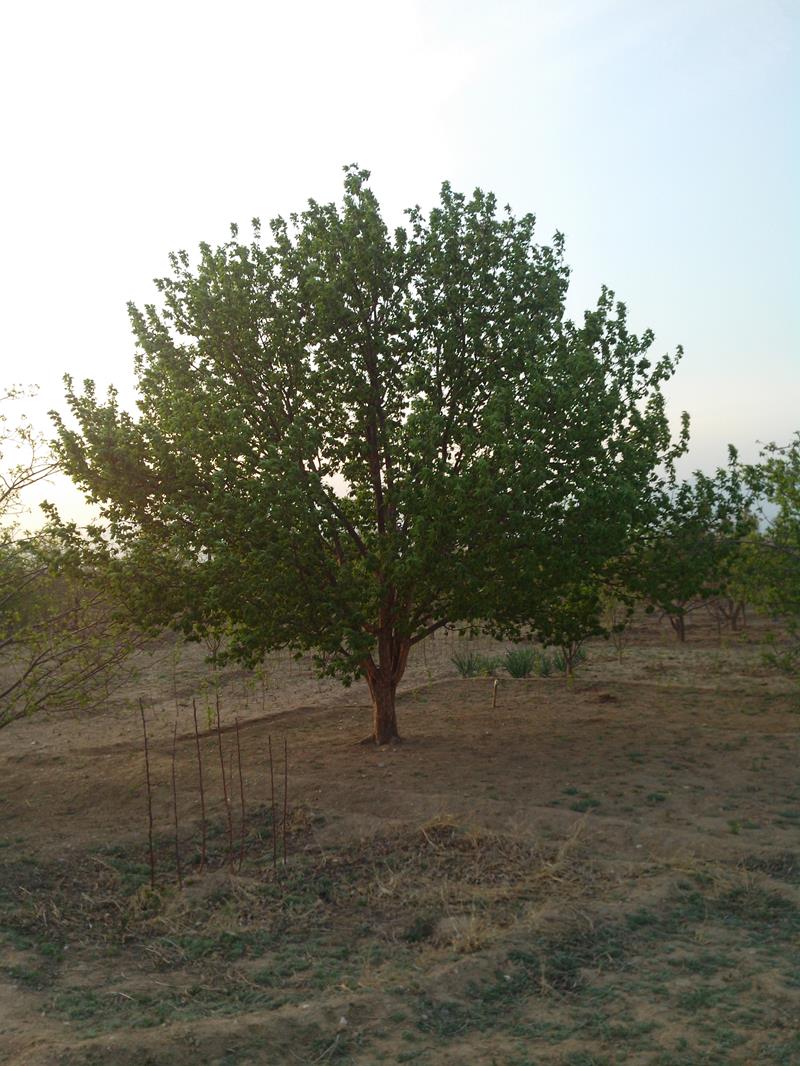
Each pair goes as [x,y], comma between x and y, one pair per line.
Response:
[661,136]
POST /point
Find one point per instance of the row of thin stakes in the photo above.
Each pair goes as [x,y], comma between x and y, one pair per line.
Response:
[234,861]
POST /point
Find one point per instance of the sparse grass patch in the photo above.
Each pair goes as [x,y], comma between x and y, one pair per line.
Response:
[441,941]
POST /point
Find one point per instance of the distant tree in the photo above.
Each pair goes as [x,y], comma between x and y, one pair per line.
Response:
[685,559]
[769,568]
[348,437]
[61,636]
[571,619]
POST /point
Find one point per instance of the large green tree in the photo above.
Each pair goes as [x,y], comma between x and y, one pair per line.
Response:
[348,437]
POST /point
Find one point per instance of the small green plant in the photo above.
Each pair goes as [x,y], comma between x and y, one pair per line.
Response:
[488,667]
[466,663]
[544,665]
[520,662]
[471,664]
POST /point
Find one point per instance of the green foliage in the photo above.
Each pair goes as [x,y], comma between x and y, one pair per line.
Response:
[520,662]
[686,557]
[544,665]
[471,664]
[570,619]
[349,437]
[768,567]
[61,639]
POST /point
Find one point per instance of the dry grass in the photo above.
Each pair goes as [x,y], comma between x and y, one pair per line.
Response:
[601,873]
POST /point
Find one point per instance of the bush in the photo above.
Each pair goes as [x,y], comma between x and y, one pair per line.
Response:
[544,667]
[471,664]
[520,662]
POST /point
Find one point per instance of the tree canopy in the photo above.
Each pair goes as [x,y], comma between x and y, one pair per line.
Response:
[348,436]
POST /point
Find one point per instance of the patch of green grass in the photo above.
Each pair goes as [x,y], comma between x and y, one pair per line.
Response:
[554,969]
[225,945]
[782,1052]
[107,1010]
[28,977]
[701,998]
[706,964]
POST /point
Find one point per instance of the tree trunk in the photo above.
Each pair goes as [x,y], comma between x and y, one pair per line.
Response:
[383,679]
[678,623]
[384,716]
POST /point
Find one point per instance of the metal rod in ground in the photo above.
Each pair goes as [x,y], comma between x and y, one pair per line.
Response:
[175,806]
[204,827]
[285,796]
[225,795]
[272,801]
[241,792]
[149,798]
[494,693]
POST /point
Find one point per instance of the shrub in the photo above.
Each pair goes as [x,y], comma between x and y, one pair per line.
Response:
[520,662]
[471,664]
[544,666]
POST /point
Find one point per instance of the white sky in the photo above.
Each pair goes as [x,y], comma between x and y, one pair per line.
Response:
[661,136]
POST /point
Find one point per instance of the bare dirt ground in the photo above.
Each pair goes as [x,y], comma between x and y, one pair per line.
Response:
[601,873]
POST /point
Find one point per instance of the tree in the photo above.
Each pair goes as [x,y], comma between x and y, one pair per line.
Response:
[571,620]
[685,558]
[348,438]
[32,461]
[61,637]
[769,567]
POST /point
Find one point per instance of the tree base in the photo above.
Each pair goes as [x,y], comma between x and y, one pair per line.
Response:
[370,740]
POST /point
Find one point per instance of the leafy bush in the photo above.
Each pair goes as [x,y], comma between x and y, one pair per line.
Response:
[544,666]
[471,664]
[520,662]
